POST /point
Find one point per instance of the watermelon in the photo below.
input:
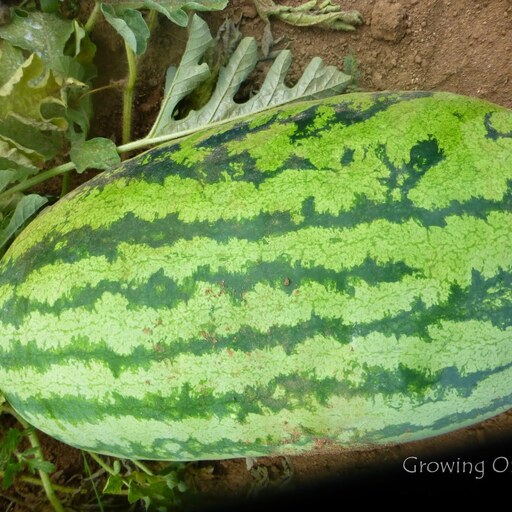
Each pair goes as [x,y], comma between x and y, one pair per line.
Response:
[332,273]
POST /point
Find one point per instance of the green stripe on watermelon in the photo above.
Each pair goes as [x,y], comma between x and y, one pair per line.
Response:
[343,420]
[211,309]
[457,125]
[220,371]
[478,244]
[103,242]
[351,253]
[483,301]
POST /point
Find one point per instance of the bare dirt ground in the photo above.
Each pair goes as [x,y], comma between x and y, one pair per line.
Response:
[461,46]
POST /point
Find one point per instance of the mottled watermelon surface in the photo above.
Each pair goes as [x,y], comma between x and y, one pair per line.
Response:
[334,272]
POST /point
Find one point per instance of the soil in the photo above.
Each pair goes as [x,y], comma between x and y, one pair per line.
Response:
[460,46]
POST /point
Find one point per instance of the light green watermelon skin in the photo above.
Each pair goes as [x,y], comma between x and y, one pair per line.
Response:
[332,273]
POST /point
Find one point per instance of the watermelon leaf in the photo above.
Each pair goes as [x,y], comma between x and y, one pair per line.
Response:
[317,81]
[16,163]
[27,87]
[159,491]
[26,207]
[8,463]
[6,177]
[49,5]
[38,32]
[324,14]
[14,461]
[155,490]
[174,10]
[114,485]
[130,25]
[11,59]
[183,80]
[97,153]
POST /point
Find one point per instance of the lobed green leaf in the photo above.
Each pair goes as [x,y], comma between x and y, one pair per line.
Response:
[317,81]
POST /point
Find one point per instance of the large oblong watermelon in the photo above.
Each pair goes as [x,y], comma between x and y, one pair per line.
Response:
[329,273]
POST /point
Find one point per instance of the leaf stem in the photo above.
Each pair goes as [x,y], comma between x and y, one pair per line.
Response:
[93,17]
[101,462]
[95,489]
[159,139]
[113,85]
[65,184]
[123,148]
[142,467]
[152,19]
[128,94]
[105,466]
[39,178]
[35,481]
[43,475]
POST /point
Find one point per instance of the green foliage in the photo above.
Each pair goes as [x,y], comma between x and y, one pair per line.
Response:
[13,461]
[50,5]
[46,71]
[174,10]
[319,13]
[160,491]
[130,25]
[45,65]
[99,150]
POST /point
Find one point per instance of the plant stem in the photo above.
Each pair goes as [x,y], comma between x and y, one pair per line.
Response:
[35,481]
[114,85]
[151,140]
[43,475]
[152,19]
[128,94]
[65,184]
[142,466]
[101,462]
[39,178]
[93,17]
[95,489]
[105,466]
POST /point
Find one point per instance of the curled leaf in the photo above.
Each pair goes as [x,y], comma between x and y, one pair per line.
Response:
[323,14]
[130,25]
